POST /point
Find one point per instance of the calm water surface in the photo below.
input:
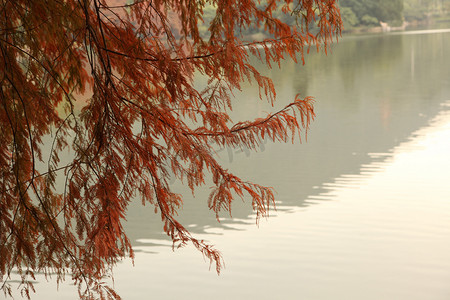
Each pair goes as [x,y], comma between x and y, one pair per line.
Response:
[363,207]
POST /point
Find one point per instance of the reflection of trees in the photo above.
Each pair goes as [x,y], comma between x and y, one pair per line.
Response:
[372,57]
[422,58]
[376,56]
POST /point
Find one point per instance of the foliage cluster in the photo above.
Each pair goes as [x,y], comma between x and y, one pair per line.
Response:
[422,10]
[142,121]
[370,12]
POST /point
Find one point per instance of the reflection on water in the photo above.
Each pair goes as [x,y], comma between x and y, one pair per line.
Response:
[384,233]
[363,209]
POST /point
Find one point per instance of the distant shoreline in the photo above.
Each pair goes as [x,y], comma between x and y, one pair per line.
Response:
[384,27]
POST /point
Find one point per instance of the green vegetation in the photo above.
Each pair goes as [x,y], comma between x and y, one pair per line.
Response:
[425,10]
[357,14]
[369,13]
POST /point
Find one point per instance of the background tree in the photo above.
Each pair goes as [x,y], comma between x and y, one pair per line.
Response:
[113,85]
[426,10]
[371,12]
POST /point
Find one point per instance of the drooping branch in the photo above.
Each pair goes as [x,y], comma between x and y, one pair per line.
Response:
[142,119]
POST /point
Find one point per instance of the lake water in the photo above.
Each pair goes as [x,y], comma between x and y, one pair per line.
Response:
[363,207]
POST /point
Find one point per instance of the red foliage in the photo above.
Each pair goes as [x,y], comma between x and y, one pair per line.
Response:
[143,119]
